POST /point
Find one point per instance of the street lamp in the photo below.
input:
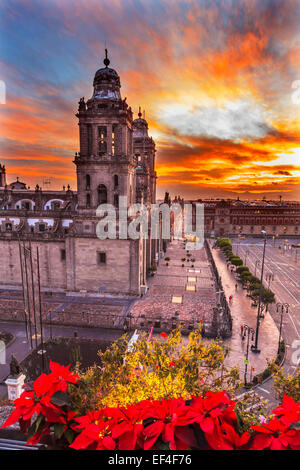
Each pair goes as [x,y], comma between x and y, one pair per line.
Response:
[284,309]
[255,348]
[247,330]
[247,253]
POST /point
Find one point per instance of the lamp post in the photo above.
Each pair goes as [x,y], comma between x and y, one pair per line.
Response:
[254,347]
[284,309]
[247,330]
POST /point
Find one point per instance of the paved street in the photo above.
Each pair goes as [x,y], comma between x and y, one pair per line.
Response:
[285,266]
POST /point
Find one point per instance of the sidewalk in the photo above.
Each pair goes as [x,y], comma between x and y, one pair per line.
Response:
[242,313]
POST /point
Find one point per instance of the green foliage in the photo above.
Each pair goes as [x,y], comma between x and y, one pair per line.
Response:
[286,385]
[236,261]
[223,242]
[162,368]
[267,297]
[242,269]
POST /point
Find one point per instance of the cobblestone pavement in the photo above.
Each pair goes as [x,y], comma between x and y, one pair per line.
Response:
[190,284]
[68,310]
[243,313]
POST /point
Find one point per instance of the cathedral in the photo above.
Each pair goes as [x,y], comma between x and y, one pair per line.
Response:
[116,158]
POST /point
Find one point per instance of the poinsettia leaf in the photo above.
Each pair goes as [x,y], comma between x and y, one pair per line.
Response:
[61,399]
[58,430]
[69,434]
[38,422]
[31,430]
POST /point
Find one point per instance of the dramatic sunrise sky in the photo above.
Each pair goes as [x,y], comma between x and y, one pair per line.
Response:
[214,76]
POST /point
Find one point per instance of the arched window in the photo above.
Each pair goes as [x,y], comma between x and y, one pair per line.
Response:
[87,182]
[116,200]
[102,194]
[102,135]
[88,200]
[116,181]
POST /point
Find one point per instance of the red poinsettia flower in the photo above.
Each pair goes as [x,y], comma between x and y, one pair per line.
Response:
[95,432]
[61,376]
[225,437]
[163,334]
[275,435]
[128,426]
[170,423]
[289,411]
[205,410]
[25,408]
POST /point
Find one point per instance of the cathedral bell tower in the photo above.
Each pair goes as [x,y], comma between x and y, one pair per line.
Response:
[2,176]
[106,163]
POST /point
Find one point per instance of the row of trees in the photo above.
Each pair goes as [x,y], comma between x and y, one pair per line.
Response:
[247,279]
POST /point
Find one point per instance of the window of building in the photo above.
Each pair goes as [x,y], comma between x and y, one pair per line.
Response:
[102,194]
[102,135]
[62,255]
[113,139]
[8,227]
[42,227]
[116,200]
[88,200]
[116,181]
[87,182]
[101,257]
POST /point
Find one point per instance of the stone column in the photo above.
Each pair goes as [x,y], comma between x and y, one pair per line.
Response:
[15,386]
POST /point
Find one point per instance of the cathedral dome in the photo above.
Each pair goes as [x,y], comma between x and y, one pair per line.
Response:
[140,126]
[106,74]
[107,82]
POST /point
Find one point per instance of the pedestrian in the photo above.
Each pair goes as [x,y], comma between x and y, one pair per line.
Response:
[242,329]
[230,298]
[236,287]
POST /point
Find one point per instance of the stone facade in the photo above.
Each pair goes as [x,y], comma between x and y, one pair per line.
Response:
[115,159]
[248,218]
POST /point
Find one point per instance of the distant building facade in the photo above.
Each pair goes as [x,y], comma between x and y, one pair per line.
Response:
[235,217]
[116,158]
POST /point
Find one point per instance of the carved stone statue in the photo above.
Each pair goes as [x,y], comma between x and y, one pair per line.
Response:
[15,367]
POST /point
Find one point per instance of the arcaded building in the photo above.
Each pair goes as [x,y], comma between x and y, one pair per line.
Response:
[116,158]
[233,217]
